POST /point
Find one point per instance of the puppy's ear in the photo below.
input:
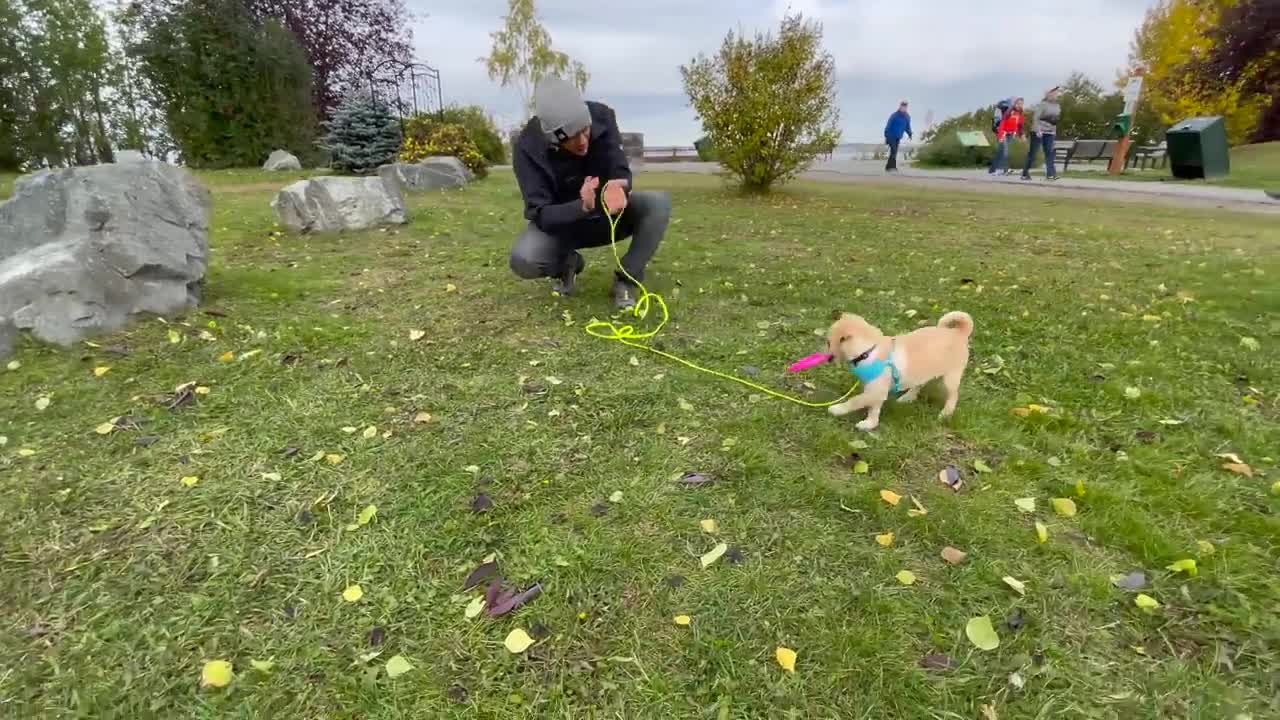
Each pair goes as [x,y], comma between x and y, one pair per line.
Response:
[835,315]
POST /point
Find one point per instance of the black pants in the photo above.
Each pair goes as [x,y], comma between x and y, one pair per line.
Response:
[538,254]
[893,154]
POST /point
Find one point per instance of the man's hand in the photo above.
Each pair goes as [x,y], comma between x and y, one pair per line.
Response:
[588,193]
[614,197]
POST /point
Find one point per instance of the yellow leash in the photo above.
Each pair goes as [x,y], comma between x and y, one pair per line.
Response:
[630,336]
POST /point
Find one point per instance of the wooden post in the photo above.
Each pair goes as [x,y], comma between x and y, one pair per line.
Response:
[1132,92]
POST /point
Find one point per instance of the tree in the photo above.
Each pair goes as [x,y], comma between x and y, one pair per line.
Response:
[1246,54]
[1169,44]
[768,105]
[343,39]
[54,72]
[362,136]
[522,54]
[232,88]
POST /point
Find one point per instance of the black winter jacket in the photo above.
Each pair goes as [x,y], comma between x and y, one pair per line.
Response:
[552,202]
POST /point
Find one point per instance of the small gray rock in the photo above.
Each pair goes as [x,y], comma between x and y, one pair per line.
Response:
[331,203]
[281,160]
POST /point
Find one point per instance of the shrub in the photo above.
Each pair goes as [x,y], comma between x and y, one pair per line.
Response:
[481,129]
[425,138]
[362,136]
[706,151]
[945,150]
[767,105]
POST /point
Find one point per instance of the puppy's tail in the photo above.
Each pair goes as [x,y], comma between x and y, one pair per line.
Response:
[958,321]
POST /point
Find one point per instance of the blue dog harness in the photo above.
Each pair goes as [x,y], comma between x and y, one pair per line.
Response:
[869,371]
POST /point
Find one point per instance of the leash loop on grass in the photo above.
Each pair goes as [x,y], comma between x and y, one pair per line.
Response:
[631,336]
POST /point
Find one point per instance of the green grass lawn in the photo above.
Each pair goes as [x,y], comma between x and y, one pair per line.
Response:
[1133,326]
[1252,166]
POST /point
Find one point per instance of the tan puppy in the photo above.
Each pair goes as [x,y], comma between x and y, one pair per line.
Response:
[912,359]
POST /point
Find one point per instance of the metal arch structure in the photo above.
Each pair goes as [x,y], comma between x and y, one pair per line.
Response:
[411,88]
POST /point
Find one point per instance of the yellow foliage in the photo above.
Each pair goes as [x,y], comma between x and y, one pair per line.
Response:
[424,139]
[1174,34]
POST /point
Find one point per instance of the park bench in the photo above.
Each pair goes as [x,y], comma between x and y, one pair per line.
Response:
[1089,150]
[1140,155]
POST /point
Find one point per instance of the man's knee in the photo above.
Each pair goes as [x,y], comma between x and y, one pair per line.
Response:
[652,204]
[531,257]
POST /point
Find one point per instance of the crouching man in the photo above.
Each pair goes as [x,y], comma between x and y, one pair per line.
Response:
[570,166]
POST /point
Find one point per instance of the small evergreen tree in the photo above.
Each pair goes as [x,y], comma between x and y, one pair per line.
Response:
[362,135]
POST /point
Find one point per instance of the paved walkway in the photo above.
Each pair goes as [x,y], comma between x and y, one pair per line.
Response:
[977,180]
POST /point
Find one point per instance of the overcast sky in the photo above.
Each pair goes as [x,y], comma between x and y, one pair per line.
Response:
[942,55]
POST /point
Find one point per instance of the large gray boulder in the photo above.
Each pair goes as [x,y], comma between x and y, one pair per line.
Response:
[85,251]
[420,177]
[328,204]
[281,160]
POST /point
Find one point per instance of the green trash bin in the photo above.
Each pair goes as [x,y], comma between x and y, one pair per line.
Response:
[1197,148]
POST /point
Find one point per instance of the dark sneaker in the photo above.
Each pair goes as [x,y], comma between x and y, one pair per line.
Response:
[567,281]
[1052,178]
[624,294]
[1026,177]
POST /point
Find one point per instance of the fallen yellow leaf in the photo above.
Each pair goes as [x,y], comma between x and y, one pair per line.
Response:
[422,417]
[474,607]
[906,577]
[42,403]
[517,641]
[885,540]
[101,370]
[1146,602]
[917,511]
[190,480]
[353,593]
[334,458]
[1066,507]
[1206,547]
[370,432]
[1186,565]
[1042,532]
[216,674]
[1080,491]
[202,390]
[26,452]
[786,658]
[683,620]
[450,287]
[262,666]
[273,477]
[416,335]
[890,497]
[1026,505]
[226,357]
[709,526]
[106,427]
[714,554]
[981,633]
[397,666]
[1016,584]
[174,337]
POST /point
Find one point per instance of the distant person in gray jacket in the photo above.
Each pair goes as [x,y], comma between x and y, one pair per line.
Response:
[1044,128]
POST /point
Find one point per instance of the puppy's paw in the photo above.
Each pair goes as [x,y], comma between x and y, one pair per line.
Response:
[867,425]
[945,414]
[838,410]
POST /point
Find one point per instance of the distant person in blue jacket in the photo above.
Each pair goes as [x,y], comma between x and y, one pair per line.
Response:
[899,124]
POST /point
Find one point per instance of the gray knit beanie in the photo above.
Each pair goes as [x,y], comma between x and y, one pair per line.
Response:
[560,109]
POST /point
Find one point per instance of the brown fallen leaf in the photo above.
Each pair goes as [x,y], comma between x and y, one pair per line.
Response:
[480,574]
[515,602]
[953,556]
[1239,469]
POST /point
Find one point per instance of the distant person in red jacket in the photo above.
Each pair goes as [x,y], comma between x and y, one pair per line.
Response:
[1010,127]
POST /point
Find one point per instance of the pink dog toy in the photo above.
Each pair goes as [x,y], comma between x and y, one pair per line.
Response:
[810,362]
